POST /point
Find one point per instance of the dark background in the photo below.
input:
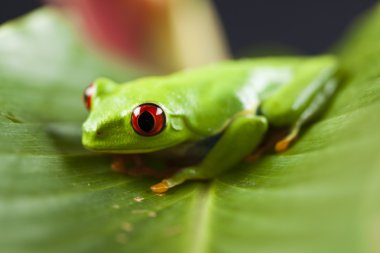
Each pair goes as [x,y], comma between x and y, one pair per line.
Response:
[310,26]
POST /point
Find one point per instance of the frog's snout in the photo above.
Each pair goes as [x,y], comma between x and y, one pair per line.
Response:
[92,133]
[97,135]
[88,134]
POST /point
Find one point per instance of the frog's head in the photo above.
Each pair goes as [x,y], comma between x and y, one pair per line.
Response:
[131,118]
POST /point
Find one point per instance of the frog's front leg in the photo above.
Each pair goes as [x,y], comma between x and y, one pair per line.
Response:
[243,134]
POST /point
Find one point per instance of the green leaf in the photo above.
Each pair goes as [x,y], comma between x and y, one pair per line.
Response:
[323,195]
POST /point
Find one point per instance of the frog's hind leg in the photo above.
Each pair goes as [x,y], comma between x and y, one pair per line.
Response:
[315,106]
[294,104]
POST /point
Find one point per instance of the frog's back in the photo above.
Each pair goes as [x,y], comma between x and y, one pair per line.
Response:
[207,98]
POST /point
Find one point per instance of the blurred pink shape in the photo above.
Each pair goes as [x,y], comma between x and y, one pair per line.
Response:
[118,25]
[162,35]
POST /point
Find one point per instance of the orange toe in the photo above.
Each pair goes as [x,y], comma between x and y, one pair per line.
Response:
[160,187]
[281,146]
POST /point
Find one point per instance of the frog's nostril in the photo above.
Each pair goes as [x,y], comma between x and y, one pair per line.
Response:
[99,133]
[86,130]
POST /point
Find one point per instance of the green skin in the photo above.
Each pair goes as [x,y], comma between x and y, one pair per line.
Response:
[219,99]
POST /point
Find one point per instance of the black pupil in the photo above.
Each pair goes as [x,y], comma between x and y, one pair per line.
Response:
[146,122]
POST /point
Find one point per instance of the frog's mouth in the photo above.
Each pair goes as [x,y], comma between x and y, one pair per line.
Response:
[116,150]
[98,143]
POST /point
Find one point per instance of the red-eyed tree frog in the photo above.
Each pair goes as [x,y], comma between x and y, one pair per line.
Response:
[232,102]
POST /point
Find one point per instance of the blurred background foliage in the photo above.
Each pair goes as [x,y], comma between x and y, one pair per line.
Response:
[320,196]
[251,27]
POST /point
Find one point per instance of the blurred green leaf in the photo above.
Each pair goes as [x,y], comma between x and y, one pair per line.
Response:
[323,195]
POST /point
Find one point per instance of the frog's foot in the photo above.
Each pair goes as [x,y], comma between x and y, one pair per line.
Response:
[131,165]
[118,164]
[166,184]
[126,164]
[161,187]
[134,165]
[284,144]
[177,179]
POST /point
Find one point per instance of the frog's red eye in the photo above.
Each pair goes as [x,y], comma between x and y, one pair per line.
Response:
[87,96]
[148,119]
